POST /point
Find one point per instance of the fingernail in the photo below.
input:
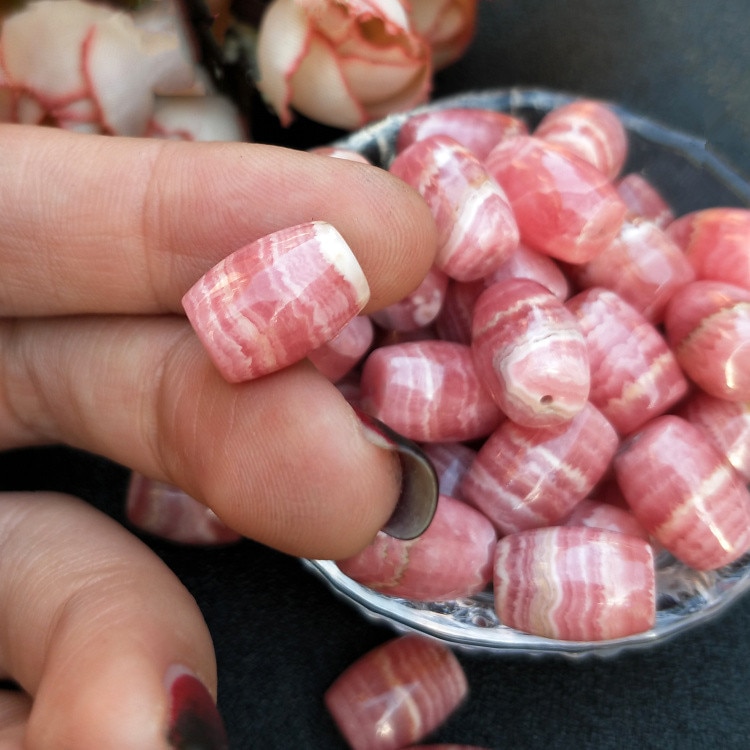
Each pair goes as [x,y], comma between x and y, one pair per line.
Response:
[166,511]
[194,720]
[417,501]
[272,302]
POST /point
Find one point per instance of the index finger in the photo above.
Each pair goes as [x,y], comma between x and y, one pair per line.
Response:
[100,224]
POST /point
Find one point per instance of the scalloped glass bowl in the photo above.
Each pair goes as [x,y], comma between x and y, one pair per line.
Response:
[690,177]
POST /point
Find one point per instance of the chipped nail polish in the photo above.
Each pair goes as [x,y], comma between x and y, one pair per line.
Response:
[194,720]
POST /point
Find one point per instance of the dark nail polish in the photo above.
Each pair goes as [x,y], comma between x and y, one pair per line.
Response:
[194,720]
[419,483]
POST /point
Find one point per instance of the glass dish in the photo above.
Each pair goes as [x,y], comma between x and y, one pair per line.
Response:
[690,177]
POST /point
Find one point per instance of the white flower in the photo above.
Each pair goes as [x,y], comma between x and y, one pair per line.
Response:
[339,62]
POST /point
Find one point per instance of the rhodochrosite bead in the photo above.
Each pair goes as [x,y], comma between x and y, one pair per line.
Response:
[417,309]
[643,265]
[588,129]
[600,515]
[525,263]
[530,353]
[643,199]
[450,560]
[634,374]
[685,493]
[563,205]
[454,320]
[428,391]
[272,302]
[716,241]
[526,477]
[575,583]
[396,694]
[476,226]
[708,326]
[476,129]
[166,511]
[339,355]
[726,424]
[450,461]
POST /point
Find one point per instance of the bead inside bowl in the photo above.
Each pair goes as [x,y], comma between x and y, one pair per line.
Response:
[690,177]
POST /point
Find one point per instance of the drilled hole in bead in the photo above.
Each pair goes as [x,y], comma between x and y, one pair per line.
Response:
[546,399]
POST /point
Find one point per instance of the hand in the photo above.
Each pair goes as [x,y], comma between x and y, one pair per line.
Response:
[99,239]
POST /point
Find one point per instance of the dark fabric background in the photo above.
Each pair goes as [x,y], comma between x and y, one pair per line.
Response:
[282,638]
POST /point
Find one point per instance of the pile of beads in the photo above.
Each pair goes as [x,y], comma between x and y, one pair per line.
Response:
[606,355]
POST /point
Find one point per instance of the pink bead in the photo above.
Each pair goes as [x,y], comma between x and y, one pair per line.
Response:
[643,265]
[564,206]
[396,694]
[274,301]
[445,747]
[525,263]
[451,560]
[526,477]
[590,130]
[339,356]
[450,461]
[685,493]
[418,309]
[643,199]
[575,583]
[716,241]
[634,375]
[596,514]
[530,353]
[428,391]
[166,511]
[476,129]
[455,318]
[708,326]
[476,226]
[726,424]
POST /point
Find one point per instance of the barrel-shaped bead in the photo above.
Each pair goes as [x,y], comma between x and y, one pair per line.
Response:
[726,424]
[634,374]
[454,321]
[600,515]
[591,130]
[450,461]
[530,353]
[708,327]
[644,200]
[563,205]
[428,391]
[716,241]
[476,129]
[643,265]
[524,478]
[575,583]
[685,493]
[476,226]
[418,308]
[396,694]
[451,559]
[341,354]
[272,302]
[166,511]
[525,263]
